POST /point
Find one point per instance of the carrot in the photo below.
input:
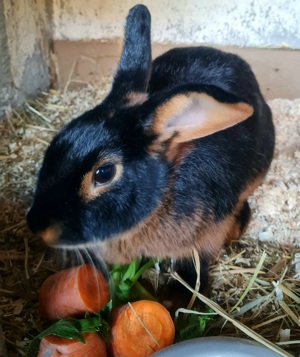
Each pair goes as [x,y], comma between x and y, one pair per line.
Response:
[72,292]
[140,329]
[54,346]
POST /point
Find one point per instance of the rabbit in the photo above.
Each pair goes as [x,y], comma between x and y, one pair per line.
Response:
[165,164]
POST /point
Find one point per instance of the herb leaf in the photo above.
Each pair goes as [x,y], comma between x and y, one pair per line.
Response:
[73,329]
[194,326]
[64,328]
[125,277]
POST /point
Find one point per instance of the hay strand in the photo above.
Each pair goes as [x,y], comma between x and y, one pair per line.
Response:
[236,323]
[254,276]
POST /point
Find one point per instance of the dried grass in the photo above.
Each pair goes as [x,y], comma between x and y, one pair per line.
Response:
[266,300]
[271,303]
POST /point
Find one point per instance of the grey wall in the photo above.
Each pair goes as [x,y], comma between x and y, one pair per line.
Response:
[24,51]
[7,93]
[246,23]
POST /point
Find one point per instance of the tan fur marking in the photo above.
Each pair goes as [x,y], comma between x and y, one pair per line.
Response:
[135,98]
[51,234]
[234,234]
[251,186]
[88,191]
[235,231]
[171,108]
[213,116]
[162,236]
[177,153]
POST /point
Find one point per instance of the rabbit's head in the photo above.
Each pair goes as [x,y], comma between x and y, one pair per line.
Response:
[109,169]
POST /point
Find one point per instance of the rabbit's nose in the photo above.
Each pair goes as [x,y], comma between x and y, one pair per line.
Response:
[50,235]
[41,226]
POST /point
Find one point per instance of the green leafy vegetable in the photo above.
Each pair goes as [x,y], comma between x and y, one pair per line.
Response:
[125,285]
[69,329]
[73,329]
[193,326]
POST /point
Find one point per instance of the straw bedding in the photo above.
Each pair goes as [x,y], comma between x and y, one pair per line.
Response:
[274,293]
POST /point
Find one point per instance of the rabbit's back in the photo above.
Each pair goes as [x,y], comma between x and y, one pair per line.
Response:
[204,65]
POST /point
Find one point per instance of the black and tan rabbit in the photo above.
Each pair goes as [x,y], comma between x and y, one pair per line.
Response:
[165,163]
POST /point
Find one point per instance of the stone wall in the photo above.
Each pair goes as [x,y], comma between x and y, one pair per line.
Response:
[25,32]
[246,23]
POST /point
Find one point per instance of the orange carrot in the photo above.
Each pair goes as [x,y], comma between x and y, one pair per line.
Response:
[140,329]
[72,292]
[54,346]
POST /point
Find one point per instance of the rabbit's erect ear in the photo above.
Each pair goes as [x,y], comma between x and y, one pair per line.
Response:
[133,73]
[193,115]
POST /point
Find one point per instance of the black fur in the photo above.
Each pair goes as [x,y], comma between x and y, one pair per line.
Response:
[59,179]
[211,177]
[135,62]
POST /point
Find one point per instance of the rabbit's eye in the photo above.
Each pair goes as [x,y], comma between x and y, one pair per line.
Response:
[104,174]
